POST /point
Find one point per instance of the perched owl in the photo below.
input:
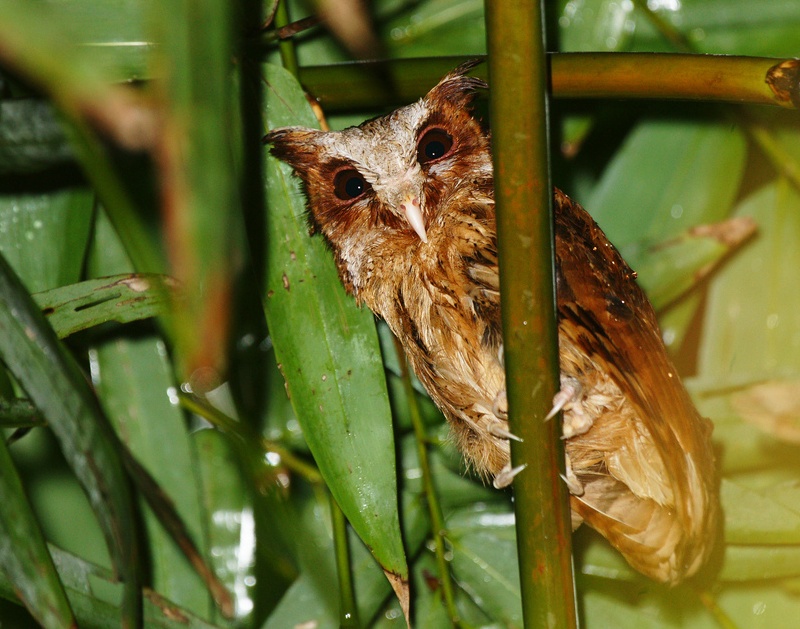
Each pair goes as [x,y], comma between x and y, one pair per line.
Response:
[406,203]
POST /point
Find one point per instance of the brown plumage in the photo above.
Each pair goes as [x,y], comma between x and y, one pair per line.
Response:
[406,203]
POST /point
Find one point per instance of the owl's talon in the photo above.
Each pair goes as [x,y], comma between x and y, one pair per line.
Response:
[570,389]
[573,484]
[500,405]
[505,476]
[496,430]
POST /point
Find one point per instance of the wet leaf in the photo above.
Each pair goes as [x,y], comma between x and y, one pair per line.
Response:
[54,383]
[121,298]
[329,353]
[24,557]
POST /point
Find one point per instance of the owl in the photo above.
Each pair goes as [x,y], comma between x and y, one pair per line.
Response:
[406,203]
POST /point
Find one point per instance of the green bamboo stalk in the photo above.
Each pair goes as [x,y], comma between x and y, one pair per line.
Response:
[523,193]
[659,76]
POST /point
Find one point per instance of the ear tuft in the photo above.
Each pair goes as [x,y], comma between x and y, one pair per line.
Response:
[458,88]
[293,145]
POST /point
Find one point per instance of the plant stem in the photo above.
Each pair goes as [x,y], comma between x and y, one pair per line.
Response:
[518,110]
[348,611]
[659,76]
[431,497]
[286,46]
[246,437]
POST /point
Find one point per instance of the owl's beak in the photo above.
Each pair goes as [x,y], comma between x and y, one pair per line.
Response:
[411,210]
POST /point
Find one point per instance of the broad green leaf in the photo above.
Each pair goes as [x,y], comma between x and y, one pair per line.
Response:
[57,387]
[760,562]
[669,269]
[485,560]
[31,139]
[668,176]
[427,29]
[726,28]
[329,353]
[760,606]
[601,610]
[752,317]
[121,298]
[756,518]
[231,521]
[134,380]
[594,25]
[94,594]
[89,40]
[200,178]
[24,557]
[44,235]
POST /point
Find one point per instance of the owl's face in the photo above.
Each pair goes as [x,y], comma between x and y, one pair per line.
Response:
[392,177]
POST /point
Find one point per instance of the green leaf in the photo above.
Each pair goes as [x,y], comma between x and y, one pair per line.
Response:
[56,386]
[231,521]
[44,236]
[669,269]
[594,25]
[756,518]
[668,176]
[753,311]
[121,298]
[200,178]
[134,380]
[24,557]
[329,353]
[94,594]
[87,40]
[31,138]
[485,560]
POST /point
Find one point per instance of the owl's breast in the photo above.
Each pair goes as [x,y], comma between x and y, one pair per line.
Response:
[441,300]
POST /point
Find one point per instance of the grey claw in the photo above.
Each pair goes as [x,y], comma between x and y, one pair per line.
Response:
[505,477]
[496,430]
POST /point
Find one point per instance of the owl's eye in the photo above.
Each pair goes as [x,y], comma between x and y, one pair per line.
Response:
[349,185]
[434,144]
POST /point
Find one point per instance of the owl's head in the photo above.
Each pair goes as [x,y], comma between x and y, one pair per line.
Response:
[394,173]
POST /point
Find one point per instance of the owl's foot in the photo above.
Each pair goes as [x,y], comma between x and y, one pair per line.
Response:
[570,391]
[500,410]
[568,399]
[496,430]
[573,484]
[505,476]
[500,405]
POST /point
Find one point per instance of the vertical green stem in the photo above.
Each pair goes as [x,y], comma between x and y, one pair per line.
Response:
[348,612]
[431,497]
[286,47]
[519,115]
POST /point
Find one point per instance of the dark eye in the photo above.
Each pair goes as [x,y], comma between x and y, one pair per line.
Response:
[434,144]
[349,185]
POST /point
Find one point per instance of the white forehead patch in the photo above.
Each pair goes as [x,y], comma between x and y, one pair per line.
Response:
[381,149]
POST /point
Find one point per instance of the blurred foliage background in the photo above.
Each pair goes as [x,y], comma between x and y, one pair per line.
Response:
[130,142]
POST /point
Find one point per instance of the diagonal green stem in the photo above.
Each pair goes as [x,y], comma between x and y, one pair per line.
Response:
[348,611]
[431,497]
[523,193]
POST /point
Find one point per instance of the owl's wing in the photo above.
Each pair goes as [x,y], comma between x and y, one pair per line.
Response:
[663,520]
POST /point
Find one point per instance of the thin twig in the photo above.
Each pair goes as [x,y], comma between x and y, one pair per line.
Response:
[348,611]
[429,490]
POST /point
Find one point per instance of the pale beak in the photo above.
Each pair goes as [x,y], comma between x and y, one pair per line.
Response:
[413,215]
